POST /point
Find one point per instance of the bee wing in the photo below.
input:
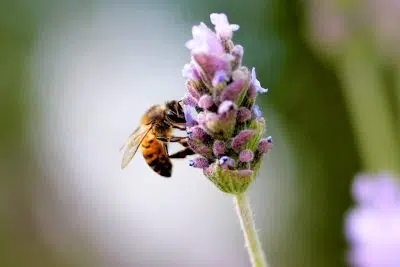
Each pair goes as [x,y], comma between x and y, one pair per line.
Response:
[133,143]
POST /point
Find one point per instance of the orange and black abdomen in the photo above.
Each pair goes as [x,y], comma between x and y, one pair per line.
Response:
[156,155]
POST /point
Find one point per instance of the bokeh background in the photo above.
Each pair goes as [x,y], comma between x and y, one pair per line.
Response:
[76,76]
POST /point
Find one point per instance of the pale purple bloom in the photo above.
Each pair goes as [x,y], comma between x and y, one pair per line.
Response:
[204,41]
[256,83]
[257,112]
[190,100]
[228,126]
[373,226]
[188,71]
[222,27]
[220,77]
[206,101]
[189,118]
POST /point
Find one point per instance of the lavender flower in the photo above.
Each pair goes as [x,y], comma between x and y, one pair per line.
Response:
[225,126]
[373,226]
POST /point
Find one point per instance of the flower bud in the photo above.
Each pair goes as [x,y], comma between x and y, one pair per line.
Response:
[200,148]
[244,114]
[219,148]
[241,139]
[265,145]
[199,134]
[237,53]
[246,155]
[199,163]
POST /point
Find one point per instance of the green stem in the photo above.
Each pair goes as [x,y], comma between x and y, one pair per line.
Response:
[253,244]
[369,108]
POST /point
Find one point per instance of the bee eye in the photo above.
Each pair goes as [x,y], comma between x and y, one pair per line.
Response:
[170,113]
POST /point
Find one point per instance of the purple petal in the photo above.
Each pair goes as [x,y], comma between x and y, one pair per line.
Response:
[222,27]
[226,107]
[190,100]
[206,101]
[209,65]
[256,83]
[204,41]
[226,162]
[233,91]
[189,72]
[220,77]
[257,112]
[190,121]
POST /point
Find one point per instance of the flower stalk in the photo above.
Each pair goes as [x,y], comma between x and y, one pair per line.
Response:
[247,224]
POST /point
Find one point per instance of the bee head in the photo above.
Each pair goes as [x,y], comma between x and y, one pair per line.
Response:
[174,112]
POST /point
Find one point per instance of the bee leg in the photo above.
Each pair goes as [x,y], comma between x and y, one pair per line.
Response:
[174,126]
[178,127]
[184,142]
[174,139]
[187,151]
[182,154]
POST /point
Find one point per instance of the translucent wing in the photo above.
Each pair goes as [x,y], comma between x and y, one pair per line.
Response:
[133,143]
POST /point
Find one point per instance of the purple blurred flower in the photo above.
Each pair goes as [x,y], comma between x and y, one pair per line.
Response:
[373,226]
[227,129]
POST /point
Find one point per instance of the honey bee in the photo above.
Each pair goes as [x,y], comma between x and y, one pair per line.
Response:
[154,134]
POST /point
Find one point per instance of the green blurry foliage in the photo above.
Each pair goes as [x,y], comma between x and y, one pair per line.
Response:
[19,243]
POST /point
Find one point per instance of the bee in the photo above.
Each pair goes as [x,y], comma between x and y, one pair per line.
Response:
[153,136]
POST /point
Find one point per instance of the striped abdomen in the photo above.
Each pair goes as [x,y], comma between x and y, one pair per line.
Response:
[156,155]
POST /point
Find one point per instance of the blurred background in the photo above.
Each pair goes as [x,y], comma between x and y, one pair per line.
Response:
[76,76]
